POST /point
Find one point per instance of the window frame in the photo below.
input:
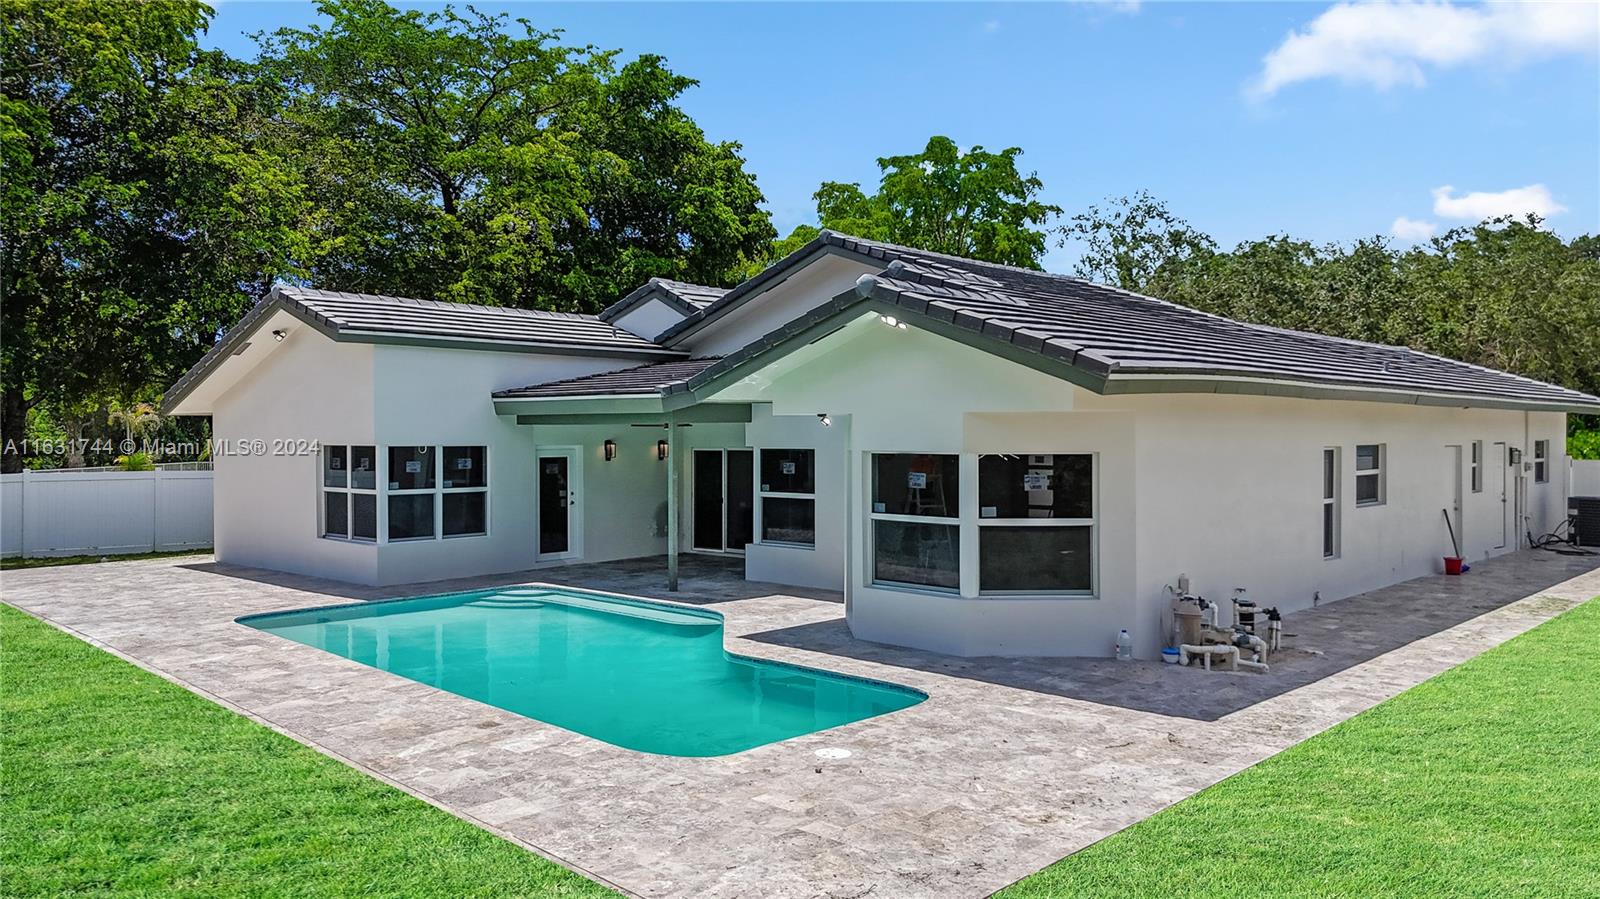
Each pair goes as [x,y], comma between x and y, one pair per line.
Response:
[1332,532]
[1380,472]
[874,516]
[1541,461]
[381,493]
[763,494]
[348,490]
[1476,479]
[1092,523]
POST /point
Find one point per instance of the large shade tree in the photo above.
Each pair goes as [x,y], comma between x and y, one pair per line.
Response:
[972,203]
[465,156]
[140,211]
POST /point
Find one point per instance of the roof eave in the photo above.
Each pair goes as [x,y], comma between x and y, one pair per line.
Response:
[1156,381]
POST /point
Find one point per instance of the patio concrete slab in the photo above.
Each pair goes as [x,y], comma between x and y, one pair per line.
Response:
[1009,765]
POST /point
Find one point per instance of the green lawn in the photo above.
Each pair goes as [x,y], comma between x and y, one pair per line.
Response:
[1484,781]
[113,780]
[52,561]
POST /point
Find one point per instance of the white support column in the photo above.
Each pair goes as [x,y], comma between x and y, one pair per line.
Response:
[672,503]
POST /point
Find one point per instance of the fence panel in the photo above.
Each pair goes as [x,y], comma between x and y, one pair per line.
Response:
[68,512]
[1585,478]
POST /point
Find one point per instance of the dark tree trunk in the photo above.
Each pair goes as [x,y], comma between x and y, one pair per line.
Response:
[13,430]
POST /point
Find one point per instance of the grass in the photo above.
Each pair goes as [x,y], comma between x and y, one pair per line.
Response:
[52,561]
[1484,781]
[115,781]
[1480,782]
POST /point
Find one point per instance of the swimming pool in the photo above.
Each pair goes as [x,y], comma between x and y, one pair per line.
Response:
[640,675]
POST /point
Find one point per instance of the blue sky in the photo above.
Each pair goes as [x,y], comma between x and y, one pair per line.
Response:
[1328,123]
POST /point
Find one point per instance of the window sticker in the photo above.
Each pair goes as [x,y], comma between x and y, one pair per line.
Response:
[786,467]
[413,466]
[989,512]
[336,463]
[916,480]
[1036,480]
[464,463]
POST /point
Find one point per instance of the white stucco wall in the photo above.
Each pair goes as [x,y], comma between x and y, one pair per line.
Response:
[777,305]
[1226,489]
[648,318]
[311,389]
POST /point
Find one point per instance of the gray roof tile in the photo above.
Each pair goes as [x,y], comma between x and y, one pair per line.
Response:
[640,379]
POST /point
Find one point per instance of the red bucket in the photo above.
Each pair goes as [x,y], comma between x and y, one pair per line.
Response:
[1452,565]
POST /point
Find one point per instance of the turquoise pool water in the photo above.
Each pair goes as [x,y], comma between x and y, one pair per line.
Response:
[640,675]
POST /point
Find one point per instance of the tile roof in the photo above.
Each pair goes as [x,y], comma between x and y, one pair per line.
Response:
[1109,333]
[641,379]
[373,318]
[681,295]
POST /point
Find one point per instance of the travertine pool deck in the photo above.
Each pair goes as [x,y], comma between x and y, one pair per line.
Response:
[1008,766]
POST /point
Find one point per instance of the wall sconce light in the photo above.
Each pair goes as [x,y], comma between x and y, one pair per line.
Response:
[661,450]
[279,335]
[611,450]
[892,322]
[826,421]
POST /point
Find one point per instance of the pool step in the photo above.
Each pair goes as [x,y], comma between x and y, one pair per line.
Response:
[536,599]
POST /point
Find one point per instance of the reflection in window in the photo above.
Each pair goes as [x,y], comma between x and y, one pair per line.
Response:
[1036,520]
[916,553]
[922,485]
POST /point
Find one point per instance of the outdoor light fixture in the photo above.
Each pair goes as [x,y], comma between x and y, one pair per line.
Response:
[892,322]
[826,421]
[611,450]
[661,450]
[279,335]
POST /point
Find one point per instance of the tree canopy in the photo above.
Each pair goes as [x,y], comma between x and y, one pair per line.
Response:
[471,157]
[974,204]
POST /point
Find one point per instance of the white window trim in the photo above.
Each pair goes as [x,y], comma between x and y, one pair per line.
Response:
[760,524]
[381,493]
[871,532]
[1092,523]
[1333,500]
[1380,473]
[350,491]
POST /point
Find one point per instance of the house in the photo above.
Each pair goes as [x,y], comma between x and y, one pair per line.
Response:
[986,460]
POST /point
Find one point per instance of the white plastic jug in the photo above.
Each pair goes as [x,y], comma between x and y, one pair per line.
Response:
[1124,646]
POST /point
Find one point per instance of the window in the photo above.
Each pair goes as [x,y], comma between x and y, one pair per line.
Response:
[916,531]
[1477,466]
[1369,474]
[465,486]
[788,497]
[349,492]
[428,491]
[1330,502]
[1541,459]
[1036,520]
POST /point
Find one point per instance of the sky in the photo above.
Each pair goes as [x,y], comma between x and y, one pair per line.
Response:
[1326,122]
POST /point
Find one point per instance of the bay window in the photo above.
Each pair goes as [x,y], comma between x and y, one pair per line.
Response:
[915,520]
[1036,523]
[788,497]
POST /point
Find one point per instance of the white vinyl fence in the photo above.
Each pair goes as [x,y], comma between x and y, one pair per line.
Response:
[1585,480]
[70,512]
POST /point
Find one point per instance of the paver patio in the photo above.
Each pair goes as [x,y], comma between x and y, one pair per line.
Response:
[1009,765]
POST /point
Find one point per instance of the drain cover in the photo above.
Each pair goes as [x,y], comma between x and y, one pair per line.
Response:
[832,753]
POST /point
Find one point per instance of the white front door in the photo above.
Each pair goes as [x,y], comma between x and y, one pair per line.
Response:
[558,517]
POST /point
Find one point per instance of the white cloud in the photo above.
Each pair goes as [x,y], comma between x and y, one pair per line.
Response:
[1384,44]
[1411,229]
[1479,205]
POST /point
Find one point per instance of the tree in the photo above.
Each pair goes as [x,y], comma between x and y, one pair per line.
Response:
[1505,293]
[140,212]
[1128,240]
[471,157]
[973,204]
